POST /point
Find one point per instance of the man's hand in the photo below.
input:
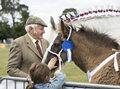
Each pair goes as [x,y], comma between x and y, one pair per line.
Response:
[52,63]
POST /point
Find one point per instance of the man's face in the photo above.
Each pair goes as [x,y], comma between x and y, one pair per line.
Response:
[38,32]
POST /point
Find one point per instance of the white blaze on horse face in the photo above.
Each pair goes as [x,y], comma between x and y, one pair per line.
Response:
[45,55]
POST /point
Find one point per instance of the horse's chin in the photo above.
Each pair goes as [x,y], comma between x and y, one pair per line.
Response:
[53,70]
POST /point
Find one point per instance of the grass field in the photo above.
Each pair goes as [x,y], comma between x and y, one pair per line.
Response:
[74,74]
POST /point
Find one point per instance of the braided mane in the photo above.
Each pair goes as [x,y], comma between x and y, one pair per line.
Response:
[97,12]
[103,20]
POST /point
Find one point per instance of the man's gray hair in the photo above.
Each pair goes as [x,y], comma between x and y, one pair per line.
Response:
[34,26]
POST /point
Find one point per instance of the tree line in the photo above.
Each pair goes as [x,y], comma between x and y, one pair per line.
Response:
[17,13]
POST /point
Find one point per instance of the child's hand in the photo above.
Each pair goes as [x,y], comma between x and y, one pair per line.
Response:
[28,76]
[56,72]
[52,63]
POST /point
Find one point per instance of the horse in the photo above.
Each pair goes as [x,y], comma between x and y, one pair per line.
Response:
[95,53]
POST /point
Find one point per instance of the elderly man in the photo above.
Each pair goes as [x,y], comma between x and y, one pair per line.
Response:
[28,48]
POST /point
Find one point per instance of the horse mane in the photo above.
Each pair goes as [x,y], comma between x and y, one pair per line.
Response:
[91,34]
[94,35]
[104,20]
[99,24]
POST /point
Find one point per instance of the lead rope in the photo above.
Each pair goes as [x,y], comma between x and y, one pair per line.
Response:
[58,55]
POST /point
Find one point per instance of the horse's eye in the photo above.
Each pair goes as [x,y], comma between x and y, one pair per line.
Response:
[56,44]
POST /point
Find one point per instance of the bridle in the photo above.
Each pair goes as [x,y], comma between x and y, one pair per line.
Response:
[58,55]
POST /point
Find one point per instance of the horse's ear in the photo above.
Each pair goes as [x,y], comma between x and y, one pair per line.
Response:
[52,22]
[61,26]
[64,30]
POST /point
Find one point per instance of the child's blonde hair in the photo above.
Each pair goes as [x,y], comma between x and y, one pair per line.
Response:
[39,73]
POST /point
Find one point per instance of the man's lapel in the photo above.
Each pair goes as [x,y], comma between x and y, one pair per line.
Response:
[31,45]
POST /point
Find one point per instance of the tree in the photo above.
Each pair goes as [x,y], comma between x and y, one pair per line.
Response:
[4,27]
[19,27]
[4,30]
[13,7]
[15,10]
[68,11]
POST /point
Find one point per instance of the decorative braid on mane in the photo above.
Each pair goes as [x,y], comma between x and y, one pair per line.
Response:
[104,20]
[93,13]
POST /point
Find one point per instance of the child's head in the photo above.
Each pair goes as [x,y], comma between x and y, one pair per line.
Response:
[39,73]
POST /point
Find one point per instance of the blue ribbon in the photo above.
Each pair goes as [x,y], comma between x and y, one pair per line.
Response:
[67,46]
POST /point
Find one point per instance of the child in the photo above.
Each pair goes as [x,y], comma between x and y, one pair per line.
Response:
[40,75]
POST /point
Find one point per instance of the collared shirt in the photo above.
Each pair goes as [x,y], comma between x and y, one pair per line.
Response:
[33,40]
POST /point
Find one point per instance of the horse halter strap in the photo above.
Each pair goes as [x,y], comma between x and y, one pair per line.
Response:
[58,55]
[90,74]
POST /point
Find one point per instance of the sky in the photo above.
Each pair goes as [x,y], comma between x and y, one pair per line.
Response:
[46,8]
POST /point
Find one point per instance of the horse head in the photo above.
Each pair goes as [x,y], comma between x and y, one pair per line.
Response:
[56,45]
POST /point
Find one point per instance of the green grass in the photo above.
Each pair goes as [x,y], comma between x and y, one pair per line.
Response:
[74,74]
[3,61]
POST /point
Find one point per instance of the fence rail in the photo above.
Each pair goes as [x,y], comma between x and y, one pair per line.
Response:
[21,83]
[75,85]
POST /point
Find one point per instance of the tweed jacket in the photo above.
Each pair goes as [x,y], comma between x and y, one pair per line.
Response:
[22,54]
